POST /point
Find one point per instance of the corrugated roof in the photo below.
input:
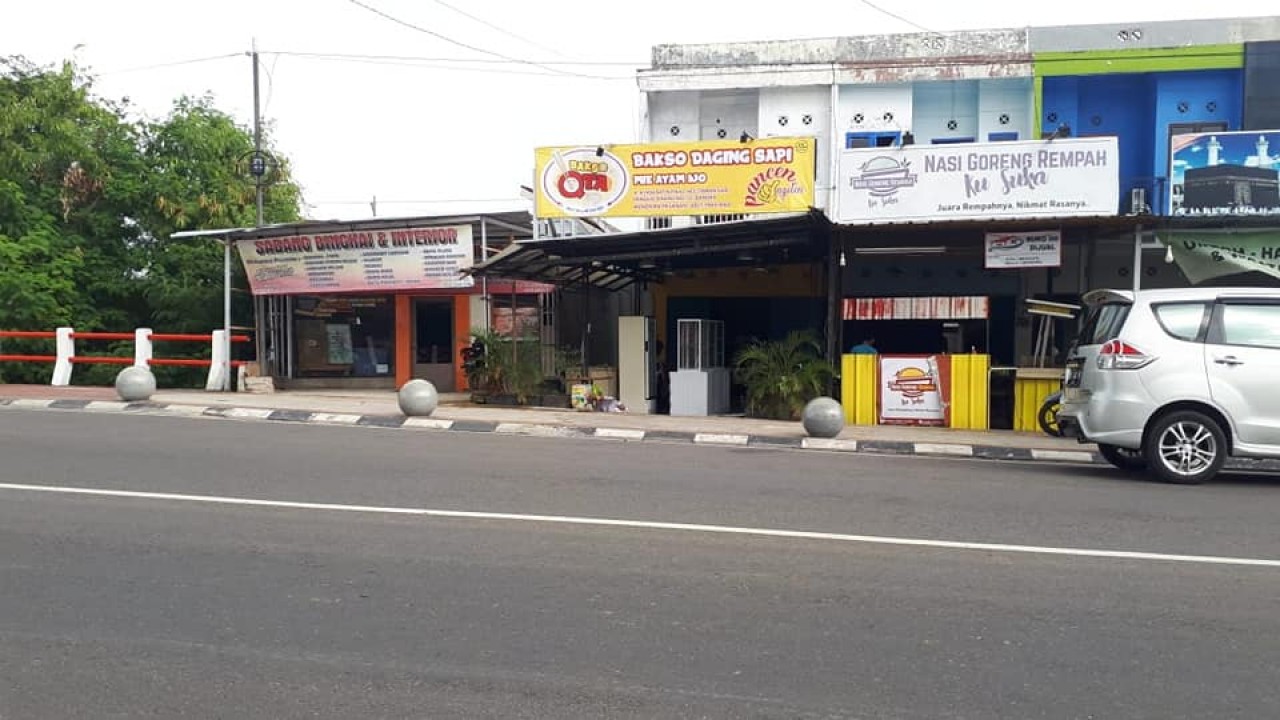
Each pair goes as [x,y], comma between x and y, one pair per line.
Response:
[615,260]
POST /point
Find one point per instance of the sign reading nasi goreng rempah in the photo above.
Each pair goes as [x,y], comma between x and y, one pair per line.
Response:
[727,177]
[1044,178]
[405,258]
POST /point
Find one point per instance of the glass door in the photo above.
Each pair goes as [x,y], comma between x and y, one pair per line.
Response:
[433,342]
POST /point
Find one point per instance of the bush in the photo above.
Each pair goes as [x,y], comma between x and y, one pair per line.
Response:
[782,376]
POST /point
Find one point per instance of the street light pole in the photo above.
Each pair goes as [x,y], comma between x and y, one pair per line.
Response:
[257,168]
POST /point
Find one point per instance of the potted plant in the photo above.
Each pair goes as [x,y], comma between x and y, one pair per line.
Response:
[781,376]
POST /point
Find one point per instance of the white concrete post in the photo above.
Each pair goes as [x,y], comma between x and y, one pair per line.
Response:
[65,350]
[218,375]
[142,352]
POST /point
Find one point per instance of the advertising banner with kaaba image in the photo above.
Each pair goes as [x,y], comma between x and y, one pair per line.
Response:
[1225,173]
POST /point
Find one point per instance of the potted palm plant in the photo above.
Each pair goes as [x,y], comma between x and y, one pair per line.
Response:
[781,376]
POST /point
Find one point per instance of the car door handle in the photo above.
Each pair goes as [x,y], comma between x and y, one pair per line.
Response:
[1228,360]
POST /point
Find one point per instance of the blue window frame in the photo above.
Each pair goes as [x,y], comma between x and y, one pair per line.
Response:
[872,139]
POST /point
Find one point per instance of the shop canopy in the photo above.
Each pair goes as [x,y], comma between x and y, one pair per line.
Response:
[501,227]
[615,260]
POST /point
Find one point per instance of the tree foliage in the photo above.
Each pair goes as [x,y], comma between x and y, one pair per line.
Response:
[90,196]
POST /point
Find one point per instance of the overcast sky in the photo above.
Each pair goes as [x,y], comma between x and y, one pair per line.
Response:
[427,137]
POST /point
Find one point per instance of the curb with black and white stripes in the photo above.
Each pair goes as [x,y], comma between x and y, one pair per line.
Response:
[872,447]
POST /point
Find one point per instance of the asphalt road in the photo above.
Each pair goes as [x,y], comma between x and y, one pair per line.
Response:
[142,607]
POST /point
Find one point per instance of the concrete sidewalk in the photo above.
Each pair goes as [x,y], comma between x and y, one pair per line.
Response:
[379,409]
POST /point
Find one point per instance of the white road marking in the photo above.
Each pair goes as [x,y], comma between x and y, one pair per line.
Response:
[810,443]
[619,433]
[535,430]
[30,403]
[1062,456]
[106,406]
[944,449]
[650,525]
[720,439]
[192,410]
[248,413]
[335,418]
[427,423]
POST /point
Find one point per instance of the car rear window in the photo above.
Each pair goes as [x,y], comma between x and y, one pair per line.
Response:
[1183,321]
[1103,323]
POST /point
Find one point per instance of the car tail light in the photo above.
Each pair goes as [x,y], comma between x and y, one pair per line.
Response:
[1120,355]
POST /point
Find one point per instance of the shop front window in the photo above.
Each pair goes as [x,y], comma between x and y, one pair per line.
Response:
[517,316]
[344,336]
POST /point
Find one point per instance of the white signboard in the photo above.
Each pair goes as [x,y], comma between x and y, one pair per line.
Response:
[911,391]
[1064,177]
[1024,250]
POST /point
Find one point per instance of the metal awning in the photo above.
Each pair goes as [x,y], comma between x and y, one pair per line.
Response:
[515,225]
[614,261]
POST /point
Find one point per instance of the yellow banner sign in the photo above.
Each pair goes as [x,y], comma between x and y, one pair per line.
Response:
[725,177]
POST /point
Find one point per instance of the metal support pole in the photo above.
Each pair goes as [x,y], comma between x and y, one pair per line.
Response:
[1137,259]
[258,339]
[226,312]
[484,280]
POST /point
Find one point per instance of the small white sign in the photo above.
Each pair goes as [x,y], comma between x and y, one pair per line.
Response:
[911,391]
[1024,250]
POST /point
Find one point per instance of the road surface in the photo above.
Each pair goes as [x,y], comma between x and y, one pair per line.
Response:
[165,568]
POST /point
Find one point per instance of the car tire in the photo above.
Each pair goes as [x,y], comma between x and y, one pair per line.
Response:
[1123,458]
[1185,448]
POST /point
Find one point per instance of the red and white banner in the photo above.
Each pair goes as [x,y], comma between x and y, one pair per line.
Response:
[973,307]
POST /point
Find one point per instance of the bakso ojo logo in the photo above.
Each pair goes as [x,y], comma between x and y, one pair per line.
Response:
[883,176]
[584,181]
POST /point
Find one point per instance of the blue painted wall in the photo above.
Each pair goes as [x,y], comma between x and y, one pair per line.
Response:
[1139,108]
[1192,97]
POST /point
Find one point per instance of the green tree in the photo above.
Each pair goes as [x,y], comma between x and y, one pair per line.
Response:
[89,198]
[197,161]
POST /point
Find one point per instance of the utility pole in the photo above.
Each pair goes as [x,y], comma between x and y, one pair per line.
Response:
[373,206]
[259,167]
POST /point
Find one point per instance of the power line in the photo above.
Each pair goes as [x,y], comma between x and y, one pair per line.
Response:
[502,30]
[895,16]
[434,201]
[439,66]
[489,61]
[175,63]
[459,43]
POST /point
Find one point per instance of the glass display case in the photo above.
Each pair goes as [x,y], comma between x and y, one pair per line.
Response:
[699,344]
[700,383]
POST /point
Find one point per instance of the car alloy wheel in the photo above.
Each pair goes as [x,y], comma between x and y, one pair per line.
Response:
[1186,448]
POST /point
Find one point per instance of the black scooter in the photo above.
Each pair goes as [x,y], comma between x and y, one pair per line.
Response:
[1048,415]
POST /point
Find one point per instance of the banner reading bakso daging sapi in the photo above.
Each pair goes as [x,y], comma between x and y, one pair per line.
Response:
[980,181]
[728,177]
[406,258]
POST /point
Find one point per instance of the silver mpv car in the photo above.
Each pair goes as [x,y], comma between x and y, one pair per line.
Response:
[1175,381]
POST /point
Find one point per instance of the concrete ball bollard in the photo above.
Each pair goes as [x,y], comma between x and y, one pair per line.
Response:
[135,384]
[823,417]
[418,397]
